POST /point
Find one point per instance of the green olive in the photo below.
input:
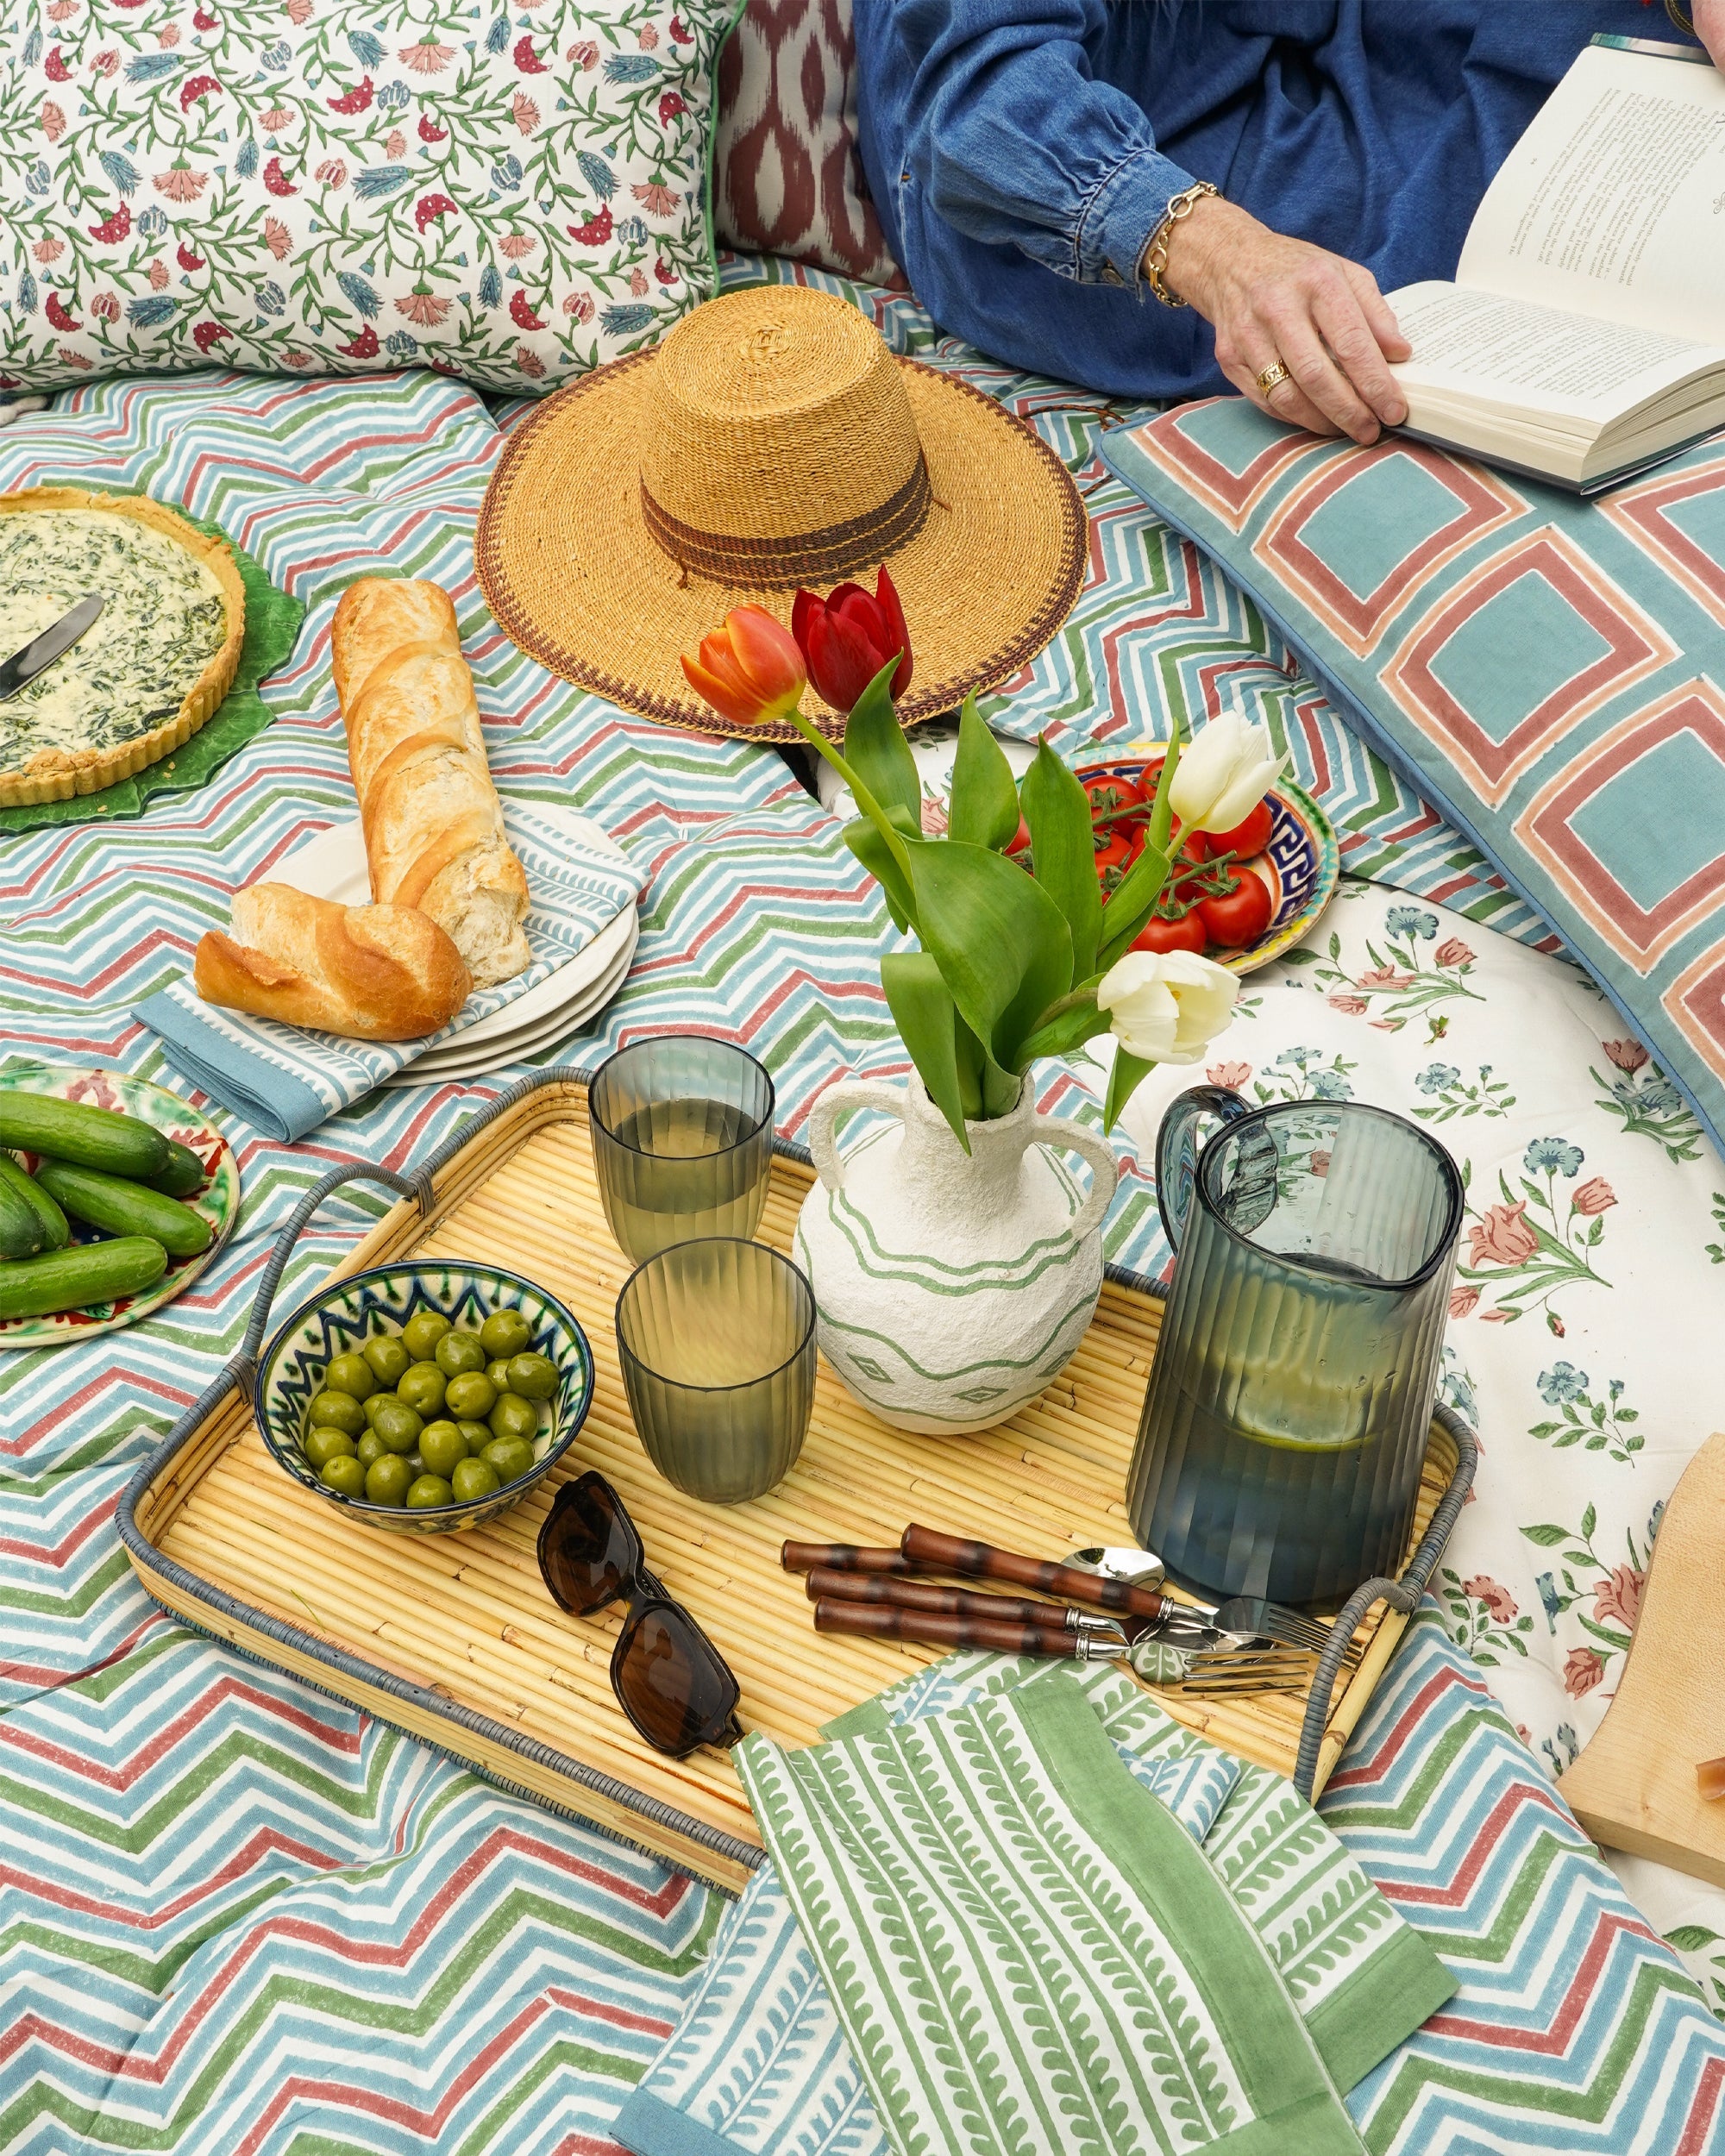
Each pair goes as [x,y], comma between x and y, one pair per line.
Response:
[505,1332]
[534,1376]
[372,1447]
[428,1490]
[441,1447]
[350,1373]
[344,1475]
[458,1352]
[388,1482]
[498,1374]
[325,1443]
[340,1411]
[472,1396]
[422,1333]
[473,1479]
[513,1417]
[399,1427]
[421,1387]
[387,1357]
[509,1459]
[477,1434]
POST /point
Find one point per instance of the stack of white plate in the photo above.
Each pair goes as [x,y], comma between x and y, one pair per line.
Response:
[333,866]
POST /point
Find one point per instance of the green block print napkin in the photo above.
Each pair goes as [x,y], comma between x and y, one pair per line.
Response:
[1025,1949]
[273,620]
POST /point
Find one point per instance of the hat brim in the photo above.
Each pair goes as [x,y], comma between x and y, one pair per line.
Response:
[574,577]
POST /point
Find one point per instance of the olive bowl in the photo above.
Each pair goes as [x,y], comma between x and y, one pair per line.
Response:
[347,1314]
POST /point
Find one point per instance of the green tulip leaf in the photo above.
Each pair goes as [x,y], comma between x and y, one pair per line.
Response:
[866,841]
[1162,809]
[1066,1031]
[923,1011]
[876,751]
[1130,907]
[1128,1074]
[1001,944]
[984,809]
[1058,810]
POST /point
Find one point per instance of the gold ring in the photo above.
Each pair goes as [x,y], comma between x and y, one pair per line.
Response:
[1272,376]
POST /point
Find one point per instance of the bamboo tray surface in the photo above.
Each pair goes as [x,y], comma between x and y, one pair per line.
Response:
[455,1638]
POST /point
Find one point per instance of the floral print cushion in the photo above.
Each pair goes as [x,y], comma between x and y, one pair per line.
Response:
[329,185]
[1583,1342]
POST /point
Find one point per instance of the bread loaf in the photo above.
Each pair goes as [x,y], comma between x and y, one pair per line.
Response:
[373,973]
[432,822]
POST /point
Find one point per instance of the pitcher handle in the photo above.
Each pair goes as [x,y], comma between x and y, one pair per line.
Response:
[1067,1136]
[849,1093]
[1176,1151]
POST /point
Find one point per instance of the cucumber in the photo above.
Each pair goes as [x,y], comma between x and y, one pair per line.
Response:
[94,1137]
[183,1175]
[29,1220]
[124,1208]
[70,1279]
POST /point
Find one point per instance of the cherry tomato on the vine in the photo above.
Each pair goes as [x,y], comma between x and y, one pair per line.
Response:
[1019,839]
[1249,837]
[1185,934]
[1241,917]
[1114,852]
[1109,793]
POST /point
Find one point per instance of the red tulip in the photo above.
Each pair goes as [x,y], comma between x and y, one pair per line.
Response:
[848,638]
[750,671]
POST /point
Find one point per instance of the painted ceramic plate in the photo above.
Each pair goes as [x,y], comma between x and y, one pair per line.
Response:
[1303,857]
[218,1198]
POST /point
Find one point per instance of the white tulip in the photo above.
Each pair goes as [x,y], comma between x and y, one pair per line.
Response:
[1167,1007]
[1223,776]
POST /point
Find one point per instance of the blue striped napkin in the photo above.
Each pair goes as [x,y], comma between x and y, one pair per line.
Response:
[287,1081]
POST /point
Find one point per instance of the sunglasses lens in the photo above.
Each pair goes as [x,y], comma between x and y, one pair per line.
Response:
[675,1690]
[588,1551]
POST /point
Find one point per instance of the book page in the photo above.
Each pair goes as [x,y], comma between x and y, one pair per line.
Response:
[1507,352]
[1612,203]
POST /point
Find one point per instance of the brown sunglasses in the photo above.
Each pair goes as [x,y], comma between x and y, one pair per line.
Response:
[668,1677]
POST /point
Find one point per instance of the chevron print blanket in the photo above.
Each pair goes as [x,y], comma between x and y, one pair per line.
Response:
[236,1917]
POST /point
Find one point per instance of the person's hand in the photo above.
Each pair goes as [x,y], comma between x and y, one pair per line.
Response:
[1271,298]
[1708,18]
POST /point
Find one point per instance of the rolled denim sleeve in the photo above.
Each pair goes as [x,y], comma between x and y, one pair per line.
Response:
[1015,142]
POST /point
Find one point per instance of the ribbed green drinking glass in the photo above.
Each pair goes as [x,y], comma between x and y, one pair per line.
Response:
[1290,1397]
[682,1139]
[717,1339]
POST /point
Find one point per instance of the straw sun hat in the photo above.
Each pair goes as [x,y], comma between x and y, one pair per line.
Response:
[773,441]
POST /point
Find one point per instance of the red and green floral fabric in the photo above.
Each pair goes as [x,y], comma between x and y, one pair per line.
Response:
[326,186]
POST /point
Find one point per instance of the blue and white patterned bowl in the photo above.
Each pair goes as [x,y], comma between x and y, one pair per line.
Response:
[348,1312]
[1302,855]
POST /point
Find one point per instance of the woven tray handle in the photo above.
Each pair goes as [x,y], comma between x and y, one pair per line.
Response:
[244,1366]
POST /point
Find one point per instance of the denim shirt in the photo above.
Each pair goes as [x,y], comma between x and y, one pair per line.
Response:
[1022,153]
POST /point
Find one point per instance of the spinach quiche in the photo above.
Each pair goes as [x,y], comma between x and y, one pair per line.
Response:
[155,665]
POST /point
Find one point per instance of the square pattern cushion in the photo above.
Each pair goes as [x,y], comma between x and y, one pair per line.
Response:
[334,186]
[1549,671]
[789,178]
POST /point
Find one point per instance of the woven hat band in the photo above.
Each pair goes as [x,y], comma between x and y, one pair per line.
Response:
[852,549]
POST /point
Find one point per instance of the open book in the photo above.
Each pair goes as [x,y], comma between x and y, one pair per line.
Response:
[1585,334]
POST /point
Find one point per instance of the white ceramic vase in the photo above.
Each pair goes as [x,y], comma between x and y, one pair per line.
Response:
[950,1289]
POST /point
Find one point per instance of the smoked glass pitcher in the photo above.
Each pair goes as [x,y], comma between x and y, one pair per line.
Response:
[1290,1397]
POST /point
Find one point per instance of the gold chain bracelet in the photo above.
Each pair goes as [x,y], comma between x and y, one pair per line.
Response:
[1156,249]
[1677,14]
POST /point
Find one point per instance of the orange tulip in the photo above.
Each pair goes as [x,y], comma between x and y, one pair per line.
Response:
[750,670]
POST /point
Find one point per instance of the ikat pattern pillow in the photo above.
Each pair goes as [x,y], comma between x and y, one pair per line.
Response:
[513,195]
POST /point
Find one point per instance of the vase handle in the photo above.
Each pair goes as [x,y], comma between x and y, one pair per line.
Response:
[1067,1136]
[1176,1151]
[849,1093]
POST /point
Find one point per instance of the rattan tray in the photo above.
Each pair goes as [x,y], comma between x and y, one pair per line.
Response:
[454,1638]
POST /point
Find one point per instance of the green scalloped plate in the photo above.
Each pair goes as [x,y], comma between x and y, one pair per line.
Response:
[218,1198]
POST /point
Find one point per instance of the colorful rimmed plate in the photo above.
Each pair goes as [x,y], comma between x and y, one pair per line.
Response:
[343,1316]
[218,1198]
[1304,858]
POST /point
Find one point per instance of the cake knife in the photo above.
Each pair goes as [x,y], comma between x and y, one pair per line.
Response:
[23,667]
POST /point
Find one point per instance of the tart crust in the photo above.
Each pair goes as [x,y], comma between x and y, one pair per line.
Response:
[57,774]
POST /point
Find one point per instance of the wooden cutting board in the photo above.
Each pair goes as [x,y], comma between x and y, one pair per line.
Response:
[1633,1787]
